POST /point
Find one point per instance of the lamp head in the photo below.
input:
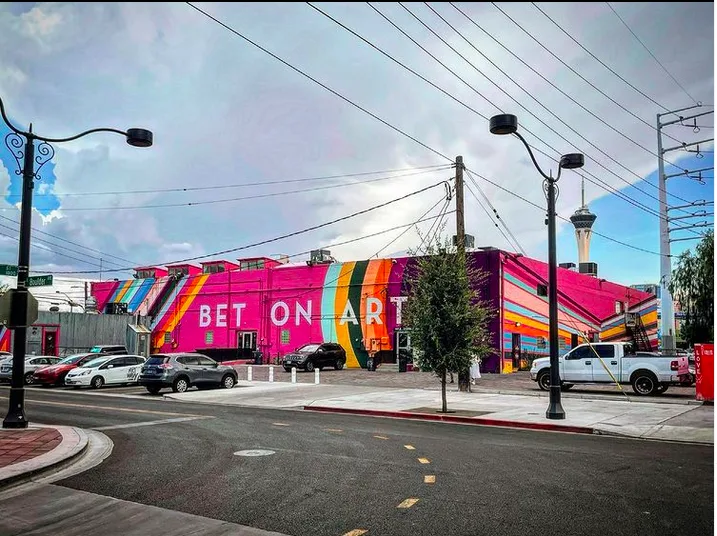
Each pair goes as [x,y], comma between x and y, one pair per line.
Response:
[572,161]
[139,137]
[503,124]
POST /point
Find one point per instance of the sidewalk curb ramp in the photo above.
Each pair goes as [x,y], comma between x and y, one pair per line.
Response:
[74,443]
[440,417]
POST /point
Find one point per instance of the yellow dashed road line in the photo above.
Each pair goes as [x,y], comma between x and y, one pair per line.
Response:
[380,437]
[356,532]
[424,460]
[408,503]
[429,479]
[410,447]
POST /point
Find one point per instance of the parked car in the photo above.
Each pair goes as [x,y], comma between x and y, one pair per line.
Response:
[5,358]
[180,371]
[55,374]
[311,356]
[32,363]
[106,370]
[106,349]
[648,374]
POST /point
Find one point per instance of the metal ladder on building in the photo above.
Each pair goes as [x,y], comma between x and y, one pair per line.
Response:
[638,334]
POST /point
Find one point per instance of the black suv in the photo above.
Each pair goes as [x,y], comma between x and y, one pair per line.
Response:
[311,356]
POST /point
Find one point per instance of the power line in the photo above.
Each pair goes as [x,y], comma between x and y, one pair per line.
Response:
[611,239]
[49,250]
[437,224]
[596,58]
[515,242]
[243,198]
[241,185]
[405,230]
[282,237]
[650,53]
[73,243]
[600,183]
[327,88]
[557,57]
[490,218]
[545,107]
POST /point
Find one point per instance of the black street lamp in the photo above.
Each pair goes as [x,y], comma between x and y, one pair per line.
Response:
[137,137]
[508,124]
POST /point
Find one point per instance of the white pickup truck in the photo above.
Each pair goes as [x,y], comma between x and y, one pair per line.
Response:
[605,362]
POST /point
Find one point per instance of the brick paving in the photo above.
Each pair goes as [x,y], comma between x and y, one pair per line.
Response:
[22,445]
[515,382]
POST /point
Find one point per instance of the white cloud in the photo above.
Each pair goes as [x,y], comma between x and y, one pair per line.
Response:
[224,113]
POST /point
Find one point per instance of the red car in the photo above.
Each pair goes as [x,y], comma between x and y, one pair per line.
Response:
[55,374]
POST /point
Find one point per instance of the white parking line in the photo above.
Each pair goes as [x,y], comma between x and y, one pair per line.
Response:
[149,423]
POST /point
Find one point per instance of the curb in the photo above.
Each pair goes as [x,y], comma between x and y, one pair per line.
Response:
[477,421]
[74,443]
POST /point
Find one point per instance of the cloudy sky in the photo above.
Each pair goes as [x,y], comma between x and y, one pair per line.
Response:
[225,114]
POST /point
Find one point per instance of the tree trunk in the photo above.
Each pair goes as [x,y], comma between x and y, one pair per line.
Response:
[444,403]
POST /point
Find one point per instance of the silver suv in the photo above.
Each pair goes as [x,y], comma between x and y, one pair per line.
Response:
[182,370]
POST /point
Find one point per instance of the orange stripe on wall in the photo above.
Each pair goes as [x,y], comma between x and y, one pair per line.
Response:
[367,291]
[342,330]
[185,300]
[124,290]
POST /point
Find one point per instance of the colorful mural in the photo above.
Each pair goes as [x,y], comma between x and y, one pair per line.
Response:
[5,339]
[356,304]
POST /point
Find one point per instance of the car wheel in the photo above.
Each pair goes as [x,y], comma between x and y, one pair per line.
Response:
[228,381]
[661,389]
[153,390]
[339,364]
[644,383]
[97,382]
[566,386]
[29,378]
[544,380]
[180,385]
[309,366]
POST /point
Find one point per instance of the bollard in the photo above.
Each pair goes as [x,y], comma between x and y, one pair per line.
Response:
[248,373]
[271,373]
[316,376]
[293,374]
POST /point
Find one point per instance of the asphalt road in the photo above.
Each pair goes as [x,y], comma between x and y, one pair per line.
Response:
[332,474]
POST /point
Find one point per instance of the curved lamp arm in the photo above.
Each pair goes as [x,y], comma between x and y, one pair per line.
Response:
[80,135]
[7,121]
[535,163]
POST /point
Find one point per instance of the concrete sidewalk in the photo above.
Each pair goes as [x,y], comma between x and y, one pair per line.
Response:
[672,422]
[26,452]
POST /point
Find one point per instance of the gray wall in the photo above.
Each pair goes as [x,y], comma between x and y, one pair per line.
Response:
[80,331]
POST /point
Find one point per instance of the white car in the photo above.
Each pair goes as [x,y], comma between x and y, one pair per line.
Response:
[106,370]
[32,363]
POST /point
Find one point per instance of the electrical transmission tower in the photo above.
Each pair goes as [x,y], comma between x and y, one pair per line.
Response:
[685,217]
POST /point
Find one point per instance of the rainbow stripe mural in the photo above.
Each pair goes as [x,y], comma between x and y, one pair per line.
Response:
[356,304]
[5,339]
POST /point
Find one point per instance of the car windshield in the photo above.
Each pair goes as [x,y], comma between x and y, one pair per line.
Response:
[72,359]
[157,360]
[308,348]
[93,363]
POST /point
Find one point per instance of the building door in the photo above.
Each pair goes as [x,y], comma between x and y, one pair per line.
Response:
[516,352]
[246,342]
[403,346]
[49,342]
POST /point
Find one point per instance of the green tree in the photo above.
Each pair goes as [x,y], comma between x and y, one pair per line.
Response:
[693,287]
[446,316]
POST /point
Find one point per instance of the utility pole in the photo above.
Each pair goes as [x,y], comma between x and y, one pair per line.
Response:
[463,375]
[85,308]
[667,310]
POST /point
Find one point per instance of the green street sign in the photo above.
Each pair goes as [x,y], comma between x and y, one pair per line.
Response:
[8,270]
[39,281]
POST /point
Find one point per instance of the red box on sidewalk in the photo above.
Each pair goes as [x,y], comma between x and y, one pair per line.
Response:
[705,372]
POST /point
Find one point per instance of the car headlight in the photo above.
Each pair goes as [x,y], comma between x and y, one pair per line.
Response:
[83,373]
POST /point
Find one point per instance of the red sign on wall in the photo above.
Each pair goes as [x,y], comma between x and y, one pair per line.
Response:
[705,371]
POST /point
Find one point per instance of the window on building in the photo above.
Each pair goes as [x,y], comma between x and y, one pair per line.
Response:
[145,274]
[256,264]
[208,337]
[167,337]
[284,336]
[179,270]
[542,290]
[213,268]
